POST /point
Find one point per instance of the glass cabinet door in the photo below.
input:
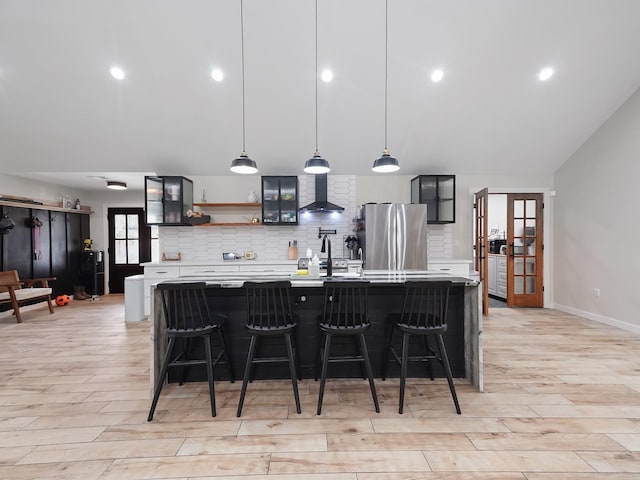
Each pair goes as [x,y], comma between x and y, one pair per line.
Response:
[154,188]
[167,200]
[439,193]
[279,200]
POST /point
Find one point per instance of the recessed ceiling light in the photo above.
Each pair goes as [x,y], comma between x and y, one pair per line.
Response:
[217,74]
[437,75]
[327,75]
[117,73]
[545,74]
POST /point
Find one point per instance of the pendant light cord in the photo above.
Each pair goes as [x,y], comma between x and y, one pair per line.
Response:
[316,48]
[386,66]
[242,55]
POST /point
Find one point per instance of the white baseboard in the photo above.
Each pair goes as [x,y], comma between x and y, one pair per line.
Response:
[630,327]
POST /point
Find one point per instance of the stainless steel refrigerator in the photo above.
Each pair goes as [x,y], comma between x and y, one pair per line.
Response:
[393,236]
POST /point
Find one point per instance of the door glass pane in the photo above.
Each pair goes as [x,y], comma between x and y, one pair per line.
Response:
[531,227]
[132,226]
[518,228]
[121,252]
[120,224]
[531,246]
[445,187]
[531,265]
[518,208]
[518,266]
[445,208]
[133,252]
[518,285]
[531,284]
[531,209]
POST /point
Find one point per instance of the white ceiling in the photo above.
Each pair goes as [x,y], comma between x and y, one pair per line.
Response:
[61,111]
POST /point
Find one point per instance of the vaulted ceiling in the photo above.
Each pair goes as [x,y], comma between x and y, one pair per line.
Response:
[61,110]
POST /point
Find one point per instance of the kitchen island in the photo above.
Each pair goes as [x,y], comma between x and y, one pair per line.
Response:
[463,338]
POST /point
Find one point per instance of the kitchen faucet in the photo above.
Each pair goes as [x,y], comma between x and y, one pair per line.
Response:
[326,240]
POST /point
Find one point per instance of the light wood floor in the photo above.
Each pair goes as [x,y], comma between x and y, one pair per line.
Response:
[562,401]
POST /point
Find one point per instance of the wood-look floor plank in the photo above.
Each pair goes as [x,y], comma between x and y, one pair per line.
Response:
[561,402]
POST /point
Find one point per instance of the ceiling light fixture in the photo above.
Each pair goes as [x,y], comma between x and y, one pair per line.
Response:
[243,164]
[113,185]
[545,74]
[437,75]
[327,75]
[316,164]
[217,74]
[386,163]
[117,73]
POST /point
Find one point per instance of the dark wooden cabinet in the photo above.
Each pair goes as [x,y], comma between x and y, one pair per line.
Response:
[280,200]
[439,193]
[50,250]
[167,199]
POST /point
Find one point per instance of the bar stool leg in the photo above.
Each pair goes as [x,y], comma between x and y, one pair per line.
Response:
[387,357]
[367,363]
[447,368]
[247,372]
[212,394]
[225,352]
[429,364]
[161,377]
[292,368]
[403,368]
[323,376]
[184,368]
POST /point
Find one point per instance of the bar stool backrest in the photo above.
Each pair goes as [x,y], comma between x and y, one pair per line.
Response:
[185,306]
[345,304]
[269,305]
[425,305]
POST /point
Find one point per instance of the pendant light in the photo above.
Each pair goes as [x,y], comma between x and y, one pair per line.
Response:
[243,164]
[316,164]
[386,163]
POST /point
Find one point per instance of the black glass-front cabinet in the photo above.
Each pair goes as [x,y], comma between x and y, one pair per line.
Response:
[167,199]
[280,200]
[439,193]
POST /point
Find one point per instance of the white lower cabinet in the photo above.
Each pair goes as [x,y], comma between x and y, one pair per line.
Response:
[492,275]
[454,268]
[501,276]
[154,274]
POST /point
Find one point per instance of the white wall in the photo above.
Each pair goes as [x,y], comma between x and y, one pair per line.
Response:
[596,228]
[38,191]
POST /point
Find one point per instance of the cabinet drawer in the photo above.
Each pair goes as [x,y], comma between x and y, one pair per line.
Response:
[502,262]
[162,272]
[502,277]
[277,268]
[207,270]
[451,268]
[501,291]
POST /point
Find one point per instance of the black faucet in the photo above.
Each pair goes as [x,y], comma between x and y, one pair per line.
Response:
[326,240]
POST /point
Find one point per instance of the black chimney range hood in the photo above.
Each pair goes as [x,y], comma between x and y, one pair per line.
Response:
[321,204]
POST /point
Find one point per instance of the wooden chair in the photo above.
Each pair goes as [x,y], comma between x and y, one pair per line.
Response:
[345,315]
[270,314]
[18,292]
[424,314]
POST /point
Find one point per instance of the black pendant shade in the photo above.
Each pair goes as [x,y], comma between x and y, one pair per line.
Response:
[316,164]
[386,163]
[243,164]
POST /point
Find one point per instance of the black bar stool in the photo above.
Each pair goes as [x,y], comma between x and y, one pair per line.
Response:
[424,313]
[188,316]
[269,313]
[345,314]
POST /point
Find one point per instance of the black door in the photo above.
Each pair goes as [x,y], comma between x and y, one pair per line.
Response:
[129,245]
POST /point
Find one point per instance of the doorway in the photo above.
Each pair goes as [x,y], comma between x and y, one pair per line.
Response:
[129,245]
[509,248]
